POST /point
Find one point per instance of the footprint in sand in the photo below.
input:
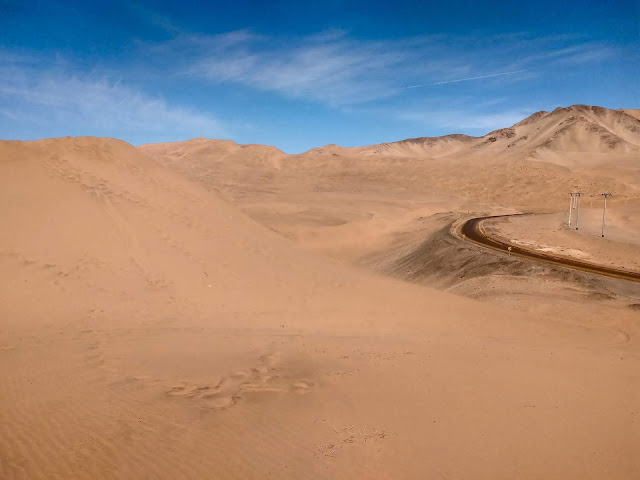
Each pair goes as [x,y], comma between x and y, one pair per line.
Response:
[232,388]
[239,375]
[184,390]
[219,400]
[302,387]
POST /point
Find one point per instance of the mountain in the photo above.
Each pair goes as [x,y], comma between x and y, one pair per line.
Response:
[530,165]
[578,128]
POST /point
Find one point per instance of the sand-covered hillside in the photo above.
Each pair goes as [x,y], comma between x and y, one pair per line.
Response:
[531,165]
[154,325]
[358,204]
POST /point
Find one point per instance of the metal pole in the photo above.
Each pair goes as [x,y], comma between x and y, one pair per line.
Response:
[577,208]
[604,211]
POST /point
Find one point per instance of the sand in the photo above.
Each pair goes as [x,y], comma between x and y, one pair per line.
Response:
[387,207]
[166,317]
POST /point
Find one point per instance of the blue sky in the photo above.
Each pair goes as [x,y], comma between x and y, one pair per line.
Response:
[303,74]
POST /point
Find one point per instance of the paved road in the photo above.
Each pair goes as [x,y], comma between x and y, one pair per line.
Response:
[472,231]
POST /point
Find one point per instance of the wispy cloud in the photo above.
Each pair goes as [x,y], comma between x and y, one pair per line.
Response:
[466,120]
[467,79]
[89,102]
[111,96]
[329,68]
[152,17]
[566,56]
[338,70]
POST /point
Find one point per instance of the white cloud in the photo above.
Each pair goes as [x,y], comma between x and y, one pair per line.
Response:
[337,70]
[152,17]
[328,68]
[467,120]
[567,56]
[90,102]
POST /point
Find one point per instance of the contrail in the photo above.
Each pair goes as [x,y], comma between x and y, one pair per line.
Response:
[466,79]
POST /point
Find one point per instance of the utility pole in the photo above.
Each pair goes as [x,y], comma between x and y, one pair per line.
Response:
[604,211]
[578,194]
[570,207]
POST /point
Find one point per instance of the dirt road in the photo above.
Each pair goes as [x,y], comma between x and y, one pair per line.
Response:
[472,231]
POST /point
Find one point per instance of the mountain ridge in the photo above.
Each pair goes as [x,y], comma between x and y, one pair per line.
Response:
[617,130]
[596,148]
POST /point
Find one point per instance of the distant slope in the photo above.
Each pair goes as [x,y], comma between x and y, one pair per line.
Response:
[590,130]
[634,113]
[99,209]
[198,150]
[530,165]
[578,128]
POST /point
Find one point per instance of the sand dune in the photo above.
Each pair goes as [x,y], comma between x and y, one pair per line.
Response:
[152,330]
[351,202]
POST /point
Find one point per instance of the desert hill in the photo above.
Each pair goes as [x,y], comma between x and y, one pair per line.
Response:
[89,218]
[579,128]
[332,197]
[148,328]
[222,150]
[634,113]
[566,147]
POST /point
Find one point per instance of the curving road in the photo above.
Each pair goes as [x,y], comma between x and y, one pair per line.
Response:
[472,231]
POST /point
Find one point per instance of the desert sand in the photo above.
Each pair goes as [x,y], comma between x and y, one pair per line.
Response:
[211,310]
